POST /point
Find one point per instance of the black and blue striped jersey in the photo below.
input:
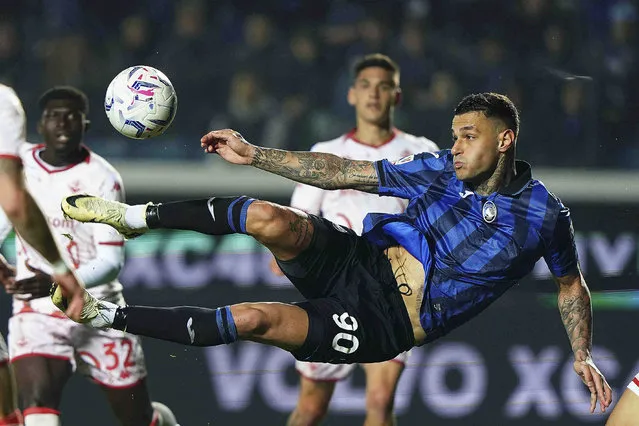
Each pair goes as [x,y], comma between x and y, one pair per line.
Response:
[473,247]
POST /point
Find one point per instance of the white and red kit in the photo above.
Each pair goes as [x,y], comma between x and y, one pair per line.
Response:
[12,123]
[96,251]
[12,135]
[634,384]
[349,207]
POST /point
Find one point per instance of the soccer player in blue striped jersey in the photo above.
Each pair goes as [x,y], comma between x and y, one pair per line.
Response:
[476,223]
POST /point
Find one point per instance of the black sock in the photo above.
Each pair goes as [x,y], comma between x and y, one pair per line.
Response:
[213,216]
[188,325]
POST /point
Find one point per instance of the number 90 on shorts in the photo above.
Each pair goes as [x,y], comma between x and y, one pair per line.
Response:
[345,342]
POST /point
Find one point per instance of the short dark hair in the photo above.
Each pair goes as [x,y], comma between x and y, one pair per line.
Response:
[493,105]
[65,92]
[374,60]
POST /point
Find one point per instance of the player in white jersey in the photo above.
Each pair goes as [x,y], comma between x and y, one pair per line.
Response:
[17,203]
[349,207]
[45,346]
[29,222]
[374,94]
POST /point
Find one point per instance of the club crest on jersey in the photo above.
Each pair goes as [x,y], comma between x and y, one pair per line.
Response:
[75,186]
[489,212]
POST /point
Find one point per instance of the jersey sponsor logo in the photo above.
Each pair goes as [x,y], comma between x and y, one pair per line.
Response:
[466,193]
[56,222]
[489,212]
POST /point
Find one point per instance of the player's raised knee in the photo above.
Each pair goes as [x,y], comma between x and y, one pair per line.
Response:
[250,320]
[268,220]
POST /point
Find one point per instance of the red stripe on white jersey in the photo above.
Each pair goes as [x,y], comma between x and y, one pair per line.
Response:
[351,135]
[52,169]
[111,243]
[40,410]
[33,354]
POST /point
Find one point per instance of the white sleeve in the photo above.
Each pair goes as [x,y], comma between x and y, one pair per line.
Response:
[307,198]
[109,258]
[112,187]
[429,146]
[12,123]
[106,265]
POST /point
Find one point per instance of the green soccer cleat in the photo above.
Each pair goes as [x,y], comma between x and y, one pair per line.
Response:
[95,313]
[89,310]
[87,208]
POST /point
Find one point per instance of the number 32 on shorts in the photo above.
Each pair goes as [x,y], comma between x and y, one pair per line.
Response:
[347,323]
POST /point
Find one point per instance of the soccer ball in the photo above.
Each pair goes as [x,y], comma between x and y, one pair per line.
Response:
[140,102]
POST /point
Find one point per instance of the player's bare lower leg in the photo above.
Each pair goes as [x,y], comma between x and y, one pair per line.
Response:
[9,412]
[131,405]
[312,403]
[41,381]
[381,385]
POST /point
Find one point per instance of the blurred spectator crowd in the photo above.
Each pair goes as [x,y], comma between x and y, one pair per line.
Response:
[278,70]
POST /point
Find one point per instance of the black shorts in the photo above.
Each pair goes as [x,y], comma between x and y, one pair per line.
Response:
[356,312]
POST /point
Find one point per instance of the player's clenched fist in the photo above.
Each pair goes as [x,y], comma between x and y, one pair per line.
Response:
[229,145]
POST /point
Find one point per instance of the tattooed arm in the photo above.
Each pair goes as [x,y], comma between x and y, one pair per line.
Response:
[576,313]
[326,171]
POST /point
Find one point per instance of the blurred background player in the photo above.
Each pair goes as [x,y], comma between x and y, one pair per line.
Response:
[45,346]
[27,219]
[374,94]
[17,203]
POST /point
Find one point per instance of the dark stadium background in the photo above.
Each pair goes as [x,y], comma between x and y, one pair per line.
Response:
[278,71]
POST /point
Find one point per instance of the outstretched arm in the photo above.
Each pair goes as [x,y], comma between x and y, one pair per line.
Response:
[326,171]
[576,313]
